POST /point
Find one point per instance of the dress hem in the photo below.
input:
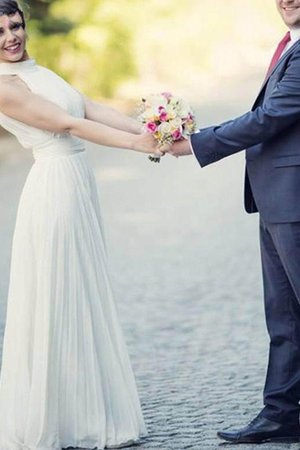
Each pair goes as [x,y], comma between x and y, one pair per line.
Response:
[82,445]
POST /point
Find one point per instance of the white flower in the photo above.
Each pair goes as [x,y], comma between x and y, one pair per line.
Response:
[175,123]
[174,101]
[184,113]
[165,128]
[171,111]
[156,101]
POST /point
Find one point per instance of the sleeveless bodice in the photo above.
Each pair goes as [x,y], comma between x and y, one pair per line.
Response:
[49,85]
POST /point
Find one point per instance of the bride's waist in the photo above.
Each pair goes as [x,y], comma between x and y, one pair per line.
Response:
[56,148]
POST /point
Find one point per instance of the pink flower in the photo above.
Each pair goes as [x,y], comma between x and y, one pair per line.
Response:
[167,95]
[151,127]
[176,135]
[163,117]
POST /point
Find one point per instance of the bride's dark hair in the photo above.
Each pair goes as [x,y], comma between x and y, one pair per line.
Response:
[11,7]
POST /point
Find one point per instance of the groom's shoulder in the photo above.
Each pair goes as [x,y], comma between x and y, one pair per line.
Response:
[296,52]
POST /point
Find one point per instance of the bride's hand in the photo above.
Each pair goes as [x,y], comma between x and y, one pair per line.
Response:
[146,143]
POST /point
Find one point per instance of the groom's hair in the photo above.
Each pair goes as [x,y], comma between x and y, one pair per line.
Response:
[11,7]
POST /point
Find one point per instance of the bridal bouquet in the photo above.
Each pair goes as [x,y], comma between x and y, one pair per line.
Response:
[167,118]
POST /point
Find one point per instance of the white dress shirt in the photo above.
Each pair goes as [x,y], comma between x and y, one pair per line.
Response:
[295,35]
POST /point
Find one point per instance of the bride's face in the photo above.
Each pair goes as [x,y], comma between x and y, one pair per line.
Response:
[12,38]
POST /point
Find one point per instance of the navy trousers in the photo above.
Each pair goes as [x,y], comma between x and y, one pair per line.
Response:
[280,254]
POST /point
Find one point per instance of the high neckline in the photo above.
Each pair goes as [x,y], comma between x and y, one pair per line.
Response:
[28,65]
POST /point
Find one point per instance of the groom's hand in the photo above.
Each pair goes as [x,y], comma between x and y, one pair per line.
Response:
[180,148]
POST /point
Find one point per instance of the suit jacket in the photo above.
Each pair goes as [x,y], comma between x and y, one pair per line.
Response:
[270,133]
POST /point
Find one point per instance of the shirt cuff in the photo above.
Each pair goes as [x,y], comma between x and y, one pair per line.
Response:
[190,142]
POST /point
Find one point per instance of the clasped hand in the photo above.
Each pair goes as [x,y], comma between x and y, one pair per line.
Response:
[146,143]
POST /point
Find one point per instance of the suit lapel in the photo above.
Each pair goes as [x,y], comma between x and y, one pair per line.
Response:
[281,61]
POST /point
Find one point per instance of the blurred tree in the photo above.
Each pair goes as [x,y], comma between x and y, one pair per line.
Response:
[88,43]
[42,19]
[104,46]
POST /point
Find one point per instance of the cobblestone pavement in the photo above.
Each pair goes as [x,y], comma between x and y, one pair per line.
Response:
[185,265]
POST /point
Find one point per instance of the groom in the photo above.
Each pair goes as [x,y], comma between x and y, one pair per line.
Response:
[270,133]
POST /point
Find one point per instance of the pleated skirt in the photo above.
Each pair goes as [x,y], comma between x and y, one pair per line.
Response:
[66,378]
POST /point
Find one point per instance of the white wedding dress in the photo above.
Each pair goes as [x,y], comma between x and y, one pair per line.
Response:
[66,379]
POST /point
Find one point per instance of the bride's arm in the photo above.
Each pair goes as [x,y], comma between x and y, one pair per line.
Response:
[106,115]
[21,104]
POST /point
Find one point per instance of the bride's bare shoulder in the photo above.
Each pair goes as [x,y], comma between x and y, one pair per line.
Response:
[12,80]
[11,87]
[8,79]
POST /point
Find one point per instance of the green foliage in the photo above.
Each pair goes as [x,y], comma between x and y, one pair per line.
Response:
[101,46]
[87,42]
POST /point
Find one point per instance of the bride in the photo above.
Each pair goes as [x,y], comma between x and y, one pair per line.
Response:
[66,379]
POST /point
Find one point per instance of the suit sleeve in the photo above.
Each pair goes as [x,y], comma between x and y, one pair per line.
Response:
[280,110]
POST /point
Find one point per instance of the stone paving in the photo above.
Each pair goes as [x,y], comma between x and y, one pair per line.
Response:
[186,271]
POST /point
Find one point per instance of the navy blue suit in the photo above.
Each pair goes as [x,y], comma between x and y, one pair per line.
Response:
[270,133]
